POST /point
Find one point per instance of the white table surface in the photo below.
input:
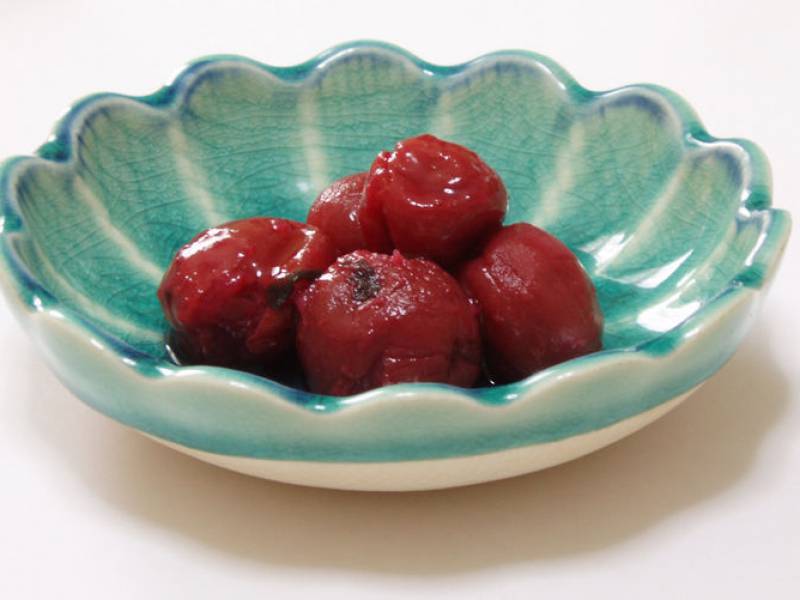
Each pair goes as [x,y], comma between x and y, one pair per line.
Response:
[703,504]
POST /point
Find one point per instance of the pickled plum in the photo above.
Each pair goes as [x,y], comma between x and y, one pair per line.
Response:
[340,212]
[226,294]
[373,320]
[438,199]
[538,306]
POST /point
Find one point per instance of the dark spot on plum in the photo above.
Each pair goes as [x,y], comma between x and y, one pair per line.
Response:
[365,281]
[279,292]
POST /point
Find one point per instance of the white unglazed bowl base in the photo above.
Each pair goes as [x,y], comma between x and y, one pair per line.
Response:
[434,473]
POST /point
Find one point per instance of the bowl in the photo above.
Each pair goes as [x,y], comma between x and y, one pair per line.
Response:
[674,226]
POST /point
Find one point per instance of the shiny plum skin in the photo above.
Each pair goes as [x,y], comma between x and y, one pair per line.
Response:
[227,292]
[538,306]
[340,212]
[374,320]
[438,199]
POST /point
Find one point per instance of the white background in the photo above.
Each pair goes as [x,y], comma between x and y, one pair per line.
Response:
[703,504]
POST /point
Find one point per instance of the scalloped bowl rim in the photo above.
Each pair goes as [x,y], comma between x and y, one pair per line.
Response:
[28,294]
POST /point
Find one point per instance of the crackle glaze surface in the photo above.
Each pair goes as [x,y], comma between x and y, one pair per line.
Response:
[674,226]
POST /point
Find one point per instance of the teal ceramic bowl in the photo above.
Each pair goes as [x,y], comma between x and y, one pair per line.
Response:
[675,227]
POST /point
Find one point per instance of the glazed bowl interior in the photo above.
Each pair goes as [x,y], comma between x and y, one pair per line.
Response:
[666,219]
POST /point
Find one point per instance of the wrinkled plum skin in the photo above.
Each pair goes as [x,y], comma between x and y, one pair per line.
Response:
[227,292]
[341,213]
[373,320]
[538,306]
[438,199]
